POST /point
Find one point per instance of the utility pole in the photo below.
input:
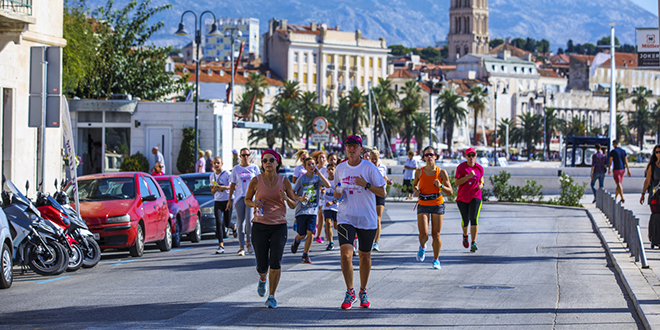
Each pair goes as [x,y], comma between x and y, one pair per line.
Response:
[613,88]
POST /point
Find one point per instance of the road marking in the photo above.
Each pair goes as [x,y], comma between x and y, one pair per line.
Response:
[177,250]
[53,279]
[123,262]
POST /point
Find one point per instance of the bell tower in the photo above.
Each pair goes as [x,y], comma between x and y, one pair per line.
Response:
[468,28]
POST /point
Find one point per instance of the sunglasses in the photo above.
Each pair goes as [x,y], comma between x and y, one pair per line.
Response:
[159,166]
[657,151]
[268,160]
[245,155]
[471,155]
[217,163]
[429,155]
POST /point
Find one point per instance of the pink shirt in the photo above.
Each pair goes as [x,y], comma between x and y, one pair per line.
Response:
[273,205]
[469,190]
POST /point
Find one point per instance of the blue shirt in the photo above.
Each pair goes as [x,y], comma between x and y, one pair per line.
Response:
[311,187]
[618,156]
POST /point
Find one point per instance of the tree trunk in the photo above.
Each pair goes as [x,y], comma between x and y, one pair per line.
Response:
[476,138]
[450,136]
[283,142]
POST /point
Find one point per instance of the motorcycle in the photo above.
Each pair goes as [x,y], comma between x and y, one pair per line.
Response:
[36,240]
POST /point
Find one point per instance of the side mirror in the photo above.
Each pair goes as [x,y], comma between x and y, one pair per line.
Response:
[149,198]
[179,196]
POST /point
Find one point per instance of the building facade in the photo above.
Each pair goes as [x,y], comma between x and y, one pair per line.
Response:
[468,28]
[627,74]
[219,48]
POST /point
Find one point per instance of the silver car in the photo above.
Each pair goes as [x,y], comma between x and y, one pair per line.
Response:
[6,254]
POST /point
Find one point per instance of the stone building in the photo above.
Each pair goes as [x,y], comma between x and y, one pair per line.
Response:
[468,28]
[627,74]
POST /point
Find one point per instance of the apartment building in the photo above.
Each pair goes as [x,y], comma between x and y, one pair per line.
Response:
[323,59]
[627,74]
[218,48]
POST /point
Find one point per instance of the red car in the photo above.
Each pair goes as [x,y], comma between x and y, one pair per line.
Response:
[125,210]
[183,207]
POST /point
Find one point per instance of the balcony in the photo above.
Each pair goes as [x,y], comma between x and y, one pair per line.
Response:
[15,15]
[354,69]
[23,7]
[342,68]
[331,67]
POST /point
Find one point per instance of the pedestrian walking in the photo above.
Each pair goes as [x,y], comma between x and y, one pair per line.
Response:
[652,174]
[158,169]
[321,161]
[308,192]
[619,163]
[598,169]
[267,193]
[241,177]
[374,157]
[220,186]
[360,183]
[470,180]
[431,182]
[158,157]
[200,166]
[330,208]
[301,155]
[409,169]
[208,161]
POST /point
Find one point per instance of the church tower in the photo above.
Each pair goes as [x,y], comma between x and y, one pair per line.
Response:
[468,28]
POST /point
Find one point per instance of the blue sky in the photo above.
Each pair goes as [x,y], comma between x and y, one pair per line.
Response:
[650,5]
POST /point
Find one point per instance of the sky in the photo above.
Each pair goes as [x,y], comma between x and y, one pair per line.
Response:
[649,5]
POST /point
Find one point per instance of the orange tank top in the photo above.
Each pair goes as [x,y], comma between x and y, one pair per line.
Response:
[426,187]
[274,208]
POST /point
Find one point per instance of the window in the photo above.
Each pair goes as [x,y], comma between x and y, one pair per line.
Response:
[304,78]
[331,59]
[380,62]
[371,62]
[314,58]
[295,57]
[295,76]
[144,189]
[361,61]
[166,186]
[305,58]
[362,80]
[152,187]
[313,78]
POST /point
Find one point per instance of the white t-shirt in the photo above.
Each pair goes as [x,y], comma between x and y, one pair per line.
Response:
[382,169]
[359,205]
[221,179]
[241,176]
[409,174]
[298,171]
[324,171]
[329,197]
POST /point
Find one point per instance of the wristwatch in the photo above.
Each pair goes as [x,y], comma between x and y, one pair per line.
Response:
[367,186]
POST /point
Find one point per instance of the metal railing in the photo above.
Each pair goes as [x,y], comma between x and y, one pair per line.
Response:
[625,223]
[17,6]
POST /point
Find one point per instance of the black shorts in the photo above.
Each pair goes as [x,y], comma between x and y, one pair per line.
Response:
[431,209]
[407,185]
[330,214]
[380,201]
[470,212]
[366,237]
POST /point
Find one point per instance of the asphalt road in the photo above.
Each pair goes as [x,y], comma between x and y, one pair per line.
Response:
[536,268]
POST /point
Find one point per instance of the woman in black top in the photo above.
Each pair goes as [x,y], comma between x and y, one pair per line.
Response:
[652,174]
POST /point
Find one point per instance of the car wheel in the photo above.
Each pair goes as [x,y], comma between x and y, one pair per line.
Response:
[6,276]
[166,243]
[176,237]
[196,235]
[137,250]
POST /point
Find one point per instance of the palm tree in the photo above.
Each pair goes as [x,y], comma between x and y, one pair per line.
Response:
[384,96]
[357,109]
[639,95]
[392,122]
[344,125]
[641,121]
[620,94]
[284,121]
[289,91]
[530,130]
[575,127]
[307,109]
[477,101]
[501,131]
[621,129]
[390,95]
[257,135]
[552,124]
[409,105]
[419,129]
[450,113]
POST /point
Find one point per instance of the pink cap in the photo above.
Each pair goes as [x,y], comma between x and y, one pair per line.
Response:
[470,151]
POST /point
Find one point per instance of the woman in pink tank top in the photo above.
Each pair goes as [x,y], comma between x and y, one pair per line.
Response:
[267,194]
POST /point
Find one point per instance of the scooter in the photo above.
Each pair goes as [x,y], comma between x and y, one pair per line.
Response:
[52,211]
[35,239]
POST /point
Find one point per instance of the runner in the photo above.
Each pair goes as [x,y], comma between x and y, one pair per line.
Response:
[360,182]
[269,231]
[409,174]
[380,201]
[330,208]
[308,193]
[332,158]
[470,181]
[220,188]
[619,163]
[241,176]
[430,183]
[300,169]
[320,158]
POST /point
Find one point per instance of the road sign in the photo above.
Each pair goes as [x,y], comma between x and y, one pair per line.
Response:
[320,125]
[320,138]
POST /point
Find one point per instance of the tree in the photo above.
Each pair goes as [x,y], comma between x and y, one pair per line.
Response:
[495,42]
[530,130]
[543,46]
[449,113]
[575,127]
[409,105]
[477,101]
[307,112]
[519,43]
[639,95]
[641,121]
[185,162]
[622,130]
[392,122]
[357,107]
[253,96]
[289,91]
[78,55]
[344,126]
[285,123]
[552,124]
[501,131]
[570,48]
[419,129]
[560,51]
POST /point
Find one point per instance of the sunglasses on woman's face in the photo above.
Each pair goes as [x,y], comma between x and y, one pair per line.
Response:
[471,155]
[245,155]
[268,160]
[429,155]
[657,152]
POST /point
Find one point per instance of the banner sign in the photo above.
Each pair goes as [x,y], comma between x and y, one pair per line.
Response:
[70,152]
[648,46]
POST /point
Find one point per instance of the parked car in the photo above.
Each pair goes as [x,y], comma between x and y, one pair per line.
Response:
[125,210]
[287,172]
[200,185]
[184,208]
[6,253]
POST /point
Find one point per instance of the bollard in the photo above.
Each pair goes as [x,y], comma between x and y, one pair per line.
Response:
[645,263]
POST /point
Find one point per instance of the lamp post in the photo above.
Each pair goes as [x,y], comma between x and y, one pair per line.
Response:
[198,40]
[431,83]
[497,88]
[546,146]
[233,33]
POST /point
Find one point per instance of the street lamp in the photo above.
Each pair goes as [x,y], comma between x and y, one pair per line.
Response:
[545,99]
[495,122]
[198,40]
[232,33]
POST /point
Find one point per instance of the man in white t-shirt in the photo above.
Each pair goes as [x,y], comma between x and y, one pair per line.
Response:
[360,183]
[409,173]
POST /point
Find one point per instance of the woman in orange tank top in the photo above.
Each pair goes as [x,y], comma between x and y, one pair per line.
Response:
[430,183]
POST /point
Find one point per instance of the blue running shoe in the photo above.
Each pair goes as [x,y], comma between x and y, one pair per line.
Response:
[349,299]
[474,247]
[436,264]
[261,288]
[421,254]
[270,302]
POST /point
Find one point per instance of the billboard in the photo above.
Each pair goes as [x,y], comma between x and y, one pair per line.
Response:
[648,46]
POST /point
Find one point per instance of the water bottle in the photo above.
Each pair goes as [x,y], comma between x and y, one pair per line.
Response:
[308,195]
[260,211]
[340,190]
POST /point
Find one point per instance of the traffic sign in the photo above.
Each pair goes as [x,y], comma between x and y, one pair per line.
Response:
[320,138]
[320,125]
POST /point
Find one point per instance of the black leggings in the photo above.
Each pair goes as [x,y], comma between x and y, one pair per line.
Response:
[219,208]
[470,212]
[268,242]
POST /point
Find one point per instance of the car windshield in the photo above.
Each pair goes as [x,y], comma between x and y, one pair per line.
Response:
[200,185]
[104,189]
[166,185]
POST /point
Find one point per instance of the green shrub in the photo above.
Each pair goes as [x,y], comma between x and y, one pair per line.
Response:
[185,163]
[142,160]
[130,165]
[454,187]
[531,192]
[571,193]
[504,192]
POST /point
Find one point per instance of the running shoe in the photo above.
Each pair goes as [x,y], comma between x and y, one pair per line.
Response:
[466,244]
[294,246]
[474,247]
[220,250]
[421,254]
[330,247]
[235,232]
[249,249]
[270,302]
[364,301]
[436,264]
[261,288]
[241,252]
[319,240]
[306,259]
[376,247]
[349,299]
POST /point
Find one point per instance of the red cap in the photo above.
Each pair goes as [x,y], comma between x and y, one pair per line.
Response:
[470,151]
